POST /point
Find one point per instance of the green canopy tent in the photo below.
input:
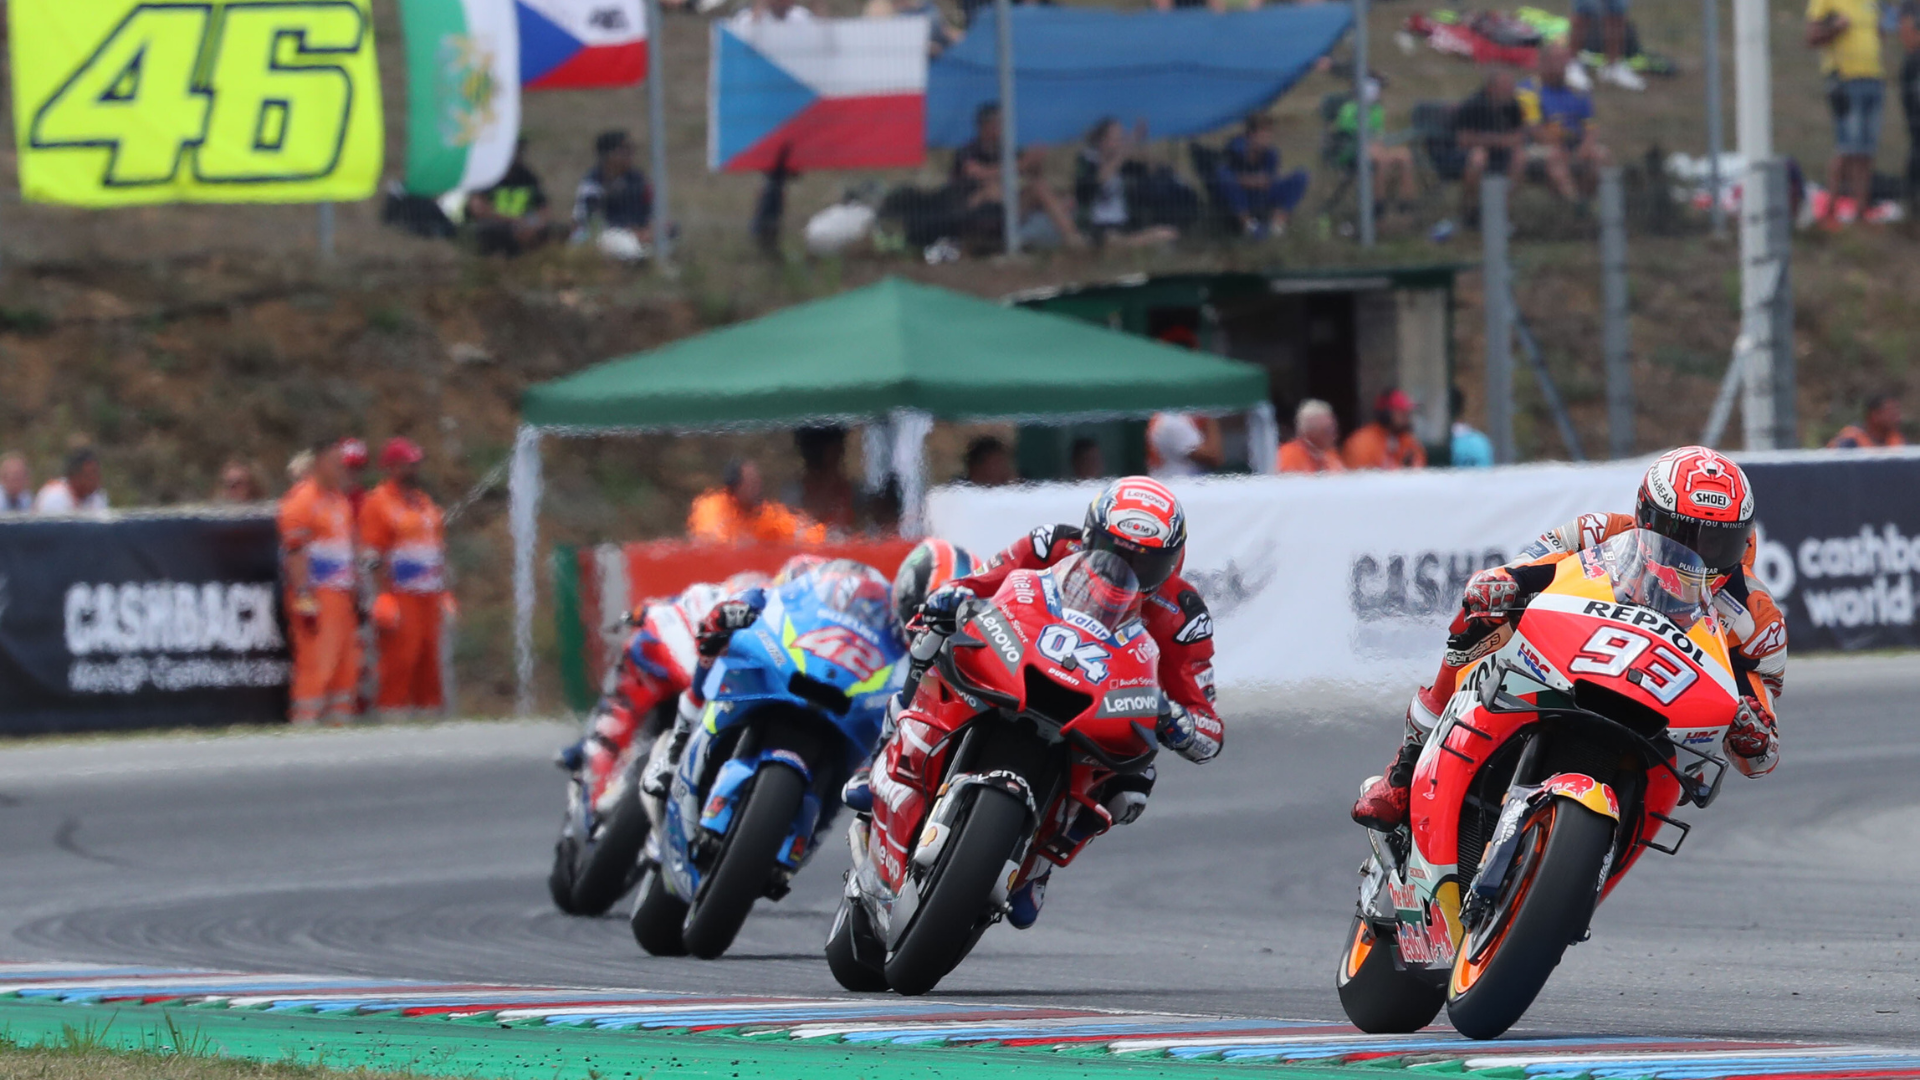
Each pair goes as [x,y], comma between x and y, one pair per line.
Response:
[894,357]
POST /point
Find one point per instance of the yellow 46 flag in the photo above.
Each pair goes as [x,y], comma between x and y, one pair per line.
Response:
[118,102]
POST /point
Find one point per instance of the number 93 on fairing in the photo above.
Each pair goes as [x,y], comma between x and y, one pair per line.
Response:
[119,102]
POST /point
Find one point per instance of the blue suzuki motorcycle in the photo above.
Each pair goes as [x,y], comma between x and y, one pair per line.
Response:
[793,705]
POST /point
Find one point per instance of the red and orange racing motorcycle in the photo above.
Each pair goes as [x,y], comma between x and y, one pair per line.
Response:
[1555,765]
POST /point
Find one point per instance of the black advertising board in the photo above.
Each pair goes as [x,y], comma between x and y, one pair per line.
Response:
[140,621]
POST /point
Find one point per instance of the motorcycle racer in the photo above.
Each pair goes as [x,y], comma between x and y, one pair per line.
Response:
[1694,496]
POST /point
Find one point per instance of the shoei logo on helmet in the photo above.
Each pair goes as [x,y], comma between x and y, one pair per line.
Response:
[1716,499]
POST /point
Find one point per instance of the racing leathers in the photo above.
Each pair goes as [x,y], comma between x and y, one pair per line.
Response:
[1755,629]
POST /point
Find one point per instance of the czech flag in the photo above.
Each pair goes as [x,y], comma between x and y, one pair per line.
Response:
[820,93]
[581,44]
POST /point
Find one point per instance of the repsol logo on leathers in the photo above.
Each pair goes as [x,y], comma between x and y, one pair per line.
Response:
[167,616]
[1414,585]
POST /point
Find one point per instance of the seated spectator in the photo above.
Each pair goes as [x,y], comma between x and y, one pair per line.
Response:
[511,216]
[1560,123]
[1470,448]
[1882,427]
[1315,446]
[1113,188]
[77,491]
[1613,37]
[989,463]
[1045,222]
[1392,162]
[614,197]
[1182,444]
[1248,181]
[1086,462]
[1492,130]
[824,492]
[737,514]
[1388,442]
[239,483]
[16,484]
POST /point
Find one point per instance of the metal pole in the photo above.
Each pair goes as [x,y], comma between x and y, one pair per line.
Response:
[1363,164]
[1763,257]
[1009,130]
[1613,326]
[1568,434]
[324,227]
[1497,282]
[1715,111]
[657,132]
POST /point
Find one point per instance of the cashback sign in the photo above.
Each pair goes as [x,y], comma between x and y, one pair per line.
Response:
[118,102]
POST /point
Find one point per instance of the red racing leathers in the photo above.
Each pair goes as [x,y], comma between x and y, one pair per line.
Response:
[655,667]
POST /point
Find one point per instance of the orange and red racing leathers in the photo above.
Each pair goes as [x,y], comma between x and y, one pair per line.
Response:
[656,665]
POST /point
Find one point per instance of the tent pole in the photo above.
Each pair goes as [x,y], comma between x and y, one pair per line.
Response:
[1009,129]
[523,518]
[910,430]
[1263,439]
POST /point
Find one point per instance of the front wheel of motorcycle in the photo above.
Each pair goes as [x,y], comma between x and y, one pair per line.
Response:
[566,856]
[609,862]
[739,875]
[657,916]
[955,893]
[1544,907]
[1378,996]
[843,957]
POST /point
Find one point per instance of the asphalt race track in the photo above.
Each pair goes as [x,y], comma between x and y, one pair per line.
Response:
[422,853]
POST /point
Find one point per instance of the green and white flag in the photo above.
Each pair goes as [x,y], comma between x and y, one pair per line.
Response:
[463,93]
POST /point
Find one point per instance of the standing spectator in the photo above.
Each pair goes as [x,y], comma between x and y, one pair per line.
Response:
[353,473]
[1248,181]
[1882,427]
[1182,444]
[1315,446]
[1910,91]
[1085,460]
[1490,127]
[736,513]
[317,556]
[988,463]
[76,491]
[1388,442]
[1613,37]
[1560,121]
[1847,33]
[239,483]
[404,532]
[1470,448]
[825,494]
[511,216]
[16,484]
[1113,188]
[613,198]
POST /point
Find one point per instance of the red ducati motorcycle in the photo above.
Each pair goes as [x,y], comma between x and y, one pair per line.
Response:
[1039,698]
[1554,766]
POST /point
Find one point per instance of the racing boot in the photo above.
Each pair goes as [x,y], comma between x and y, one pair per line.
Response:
[658,777]
[857,794]
[1383,799]
[1023,907]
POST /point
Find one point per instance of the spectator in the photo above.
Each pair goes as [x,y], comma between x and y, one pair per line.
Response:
[1910,91]
[825,494]
[299,467]
[1044,220]
[737,514]
[16,484]
[1248,180]
[989,463]
[1560,120]
[1882,427]
[511,216]
[403,531]
[353,473]
[76,491]
[1847,33]
[1182,444]
[239,483]
[1613,37]
[1086,461]
[1392,162]
[1388,442]
[317,541]
[1112,187]
[1470,448]
[1490,127]
[613,206]
[1315,446]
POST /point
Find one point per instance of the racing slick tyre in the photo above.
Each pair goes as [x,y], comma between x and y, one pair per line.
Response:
[1544,906]
[657,916]
[843,960]
[566,855]
[955,893]
[1380,997]
[746,859]
[608,862]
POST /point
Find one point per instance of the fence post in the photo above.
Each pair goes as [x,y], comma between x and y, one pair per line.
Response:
[323,227]
[657,132]
[1497,284]
[1009,130]
[1363,164]
[1614,313]
[1714,109]
[1766,316]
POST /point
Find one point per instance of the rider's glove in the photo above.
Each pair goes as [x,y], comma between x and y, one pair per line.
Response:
[1752,734]
[938,610]
[1194,737]
[728,616]
[1489,593]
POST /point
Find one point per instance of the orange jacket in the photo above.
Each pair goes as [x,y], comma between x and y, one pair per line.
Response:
[319,523]
[1301,456]
[718,518]
[405,529]
[1374,447]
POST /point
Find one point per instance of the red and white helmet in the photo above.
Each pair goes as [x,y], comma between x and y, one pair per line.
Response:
[1138,519]
[1698,498]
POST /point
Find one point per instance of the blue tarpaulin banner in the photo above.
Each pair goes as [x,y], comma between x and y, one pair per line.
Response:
[1184,72]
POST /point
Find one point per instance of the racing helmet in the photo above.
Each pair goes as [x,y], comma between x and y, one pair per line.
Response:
[1139,520]
[744,580]
[931,564]
[1699,499]
[798,566]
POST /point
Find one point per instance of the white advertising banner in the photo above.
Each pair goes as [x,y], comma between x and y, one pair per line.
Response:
[1325,579]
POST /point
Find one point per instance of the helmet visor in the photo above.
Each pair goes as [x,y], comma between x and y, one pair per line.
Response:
[1721,545]
[1151,566]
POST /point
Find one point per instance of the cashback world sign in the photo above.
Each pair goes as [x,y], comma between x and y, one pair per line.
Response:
[121,102]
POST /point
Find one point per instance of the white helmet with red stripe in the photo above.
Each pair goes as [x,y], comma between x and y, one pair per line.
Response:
[1699,498]
[1138,519]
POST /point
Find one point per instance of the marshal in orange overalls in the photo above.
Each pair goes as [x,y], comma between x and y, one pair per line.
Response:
[318,524]
[403,528]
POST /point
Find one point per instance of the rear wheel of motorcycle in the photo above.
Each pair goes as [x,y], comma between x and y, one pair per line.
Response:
[1380,998]
[954,895]
[842,959]
[1544,907]
[609,862]
[746,859]
[658,915]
